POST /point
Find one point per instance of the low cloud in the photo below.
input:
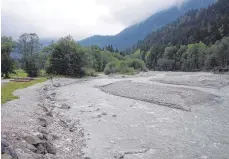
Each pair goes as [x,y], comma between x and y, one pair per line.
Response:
[79,18]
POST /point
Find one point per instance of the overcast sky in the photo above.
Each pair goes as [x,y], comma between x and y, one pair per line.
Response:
[79,18]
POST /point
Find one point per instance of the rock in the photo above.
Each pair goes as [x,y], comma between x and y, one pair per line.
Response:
[44,107]
[33,140]
[50,148]
[104,113]
[114,115]
[31,148]
[4,143]
[43,122]
[65,106]
[45,88]
[119,155]
[6,156]
[49,114]
[71,129]
[50,98]
[55,137]
[53,94]
[9,152]
[63,123]
[45,137]
[42,130]
[40,149]
[97,109]
[56,85]
[42,136]
[99,116]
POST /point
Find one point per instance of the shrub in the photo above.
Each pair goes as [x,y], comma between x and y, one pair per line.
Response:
[89,72]
[42,73]
[137,64]
[107,71]
[127,70]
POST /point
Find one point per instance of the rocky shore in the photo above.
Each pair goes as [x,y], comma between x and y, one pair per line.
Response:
[35,126]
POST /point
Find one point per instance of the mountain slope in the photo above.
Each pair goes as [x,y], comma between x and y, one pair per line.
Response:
[129,36]
[206,25]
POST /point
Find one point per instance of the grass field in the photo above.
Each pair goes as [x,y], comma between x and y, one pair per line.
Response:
[8,88]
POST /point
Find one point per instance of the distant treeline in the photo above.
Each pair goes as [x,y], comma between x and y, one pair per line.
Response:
[64,57]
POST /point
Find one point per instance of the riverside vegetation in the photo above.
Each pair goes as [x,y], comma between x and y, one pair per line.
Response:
[196,41]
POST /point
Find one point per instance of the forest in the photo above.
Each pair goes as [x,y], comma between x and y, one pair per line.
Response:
[197,41]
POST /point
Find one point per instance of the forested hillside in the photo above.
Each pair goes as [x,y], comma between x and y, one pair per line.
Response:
[198,40]
[132,34]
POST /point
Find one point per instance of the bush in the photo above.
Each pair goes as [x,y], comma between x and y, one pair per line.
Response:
[90,72]
[127,70]
[107,71]
[137,64]
[42,73]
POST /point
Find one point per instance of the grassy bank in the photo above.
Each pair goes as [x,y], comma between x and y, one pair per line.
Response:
[8,88]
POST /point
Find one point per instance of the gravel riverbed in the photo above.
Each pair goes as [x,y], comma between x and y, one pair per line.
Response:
[149,115]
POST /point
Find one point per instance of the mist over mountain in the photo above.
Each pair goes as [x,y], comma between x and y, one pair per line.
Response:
[130,36]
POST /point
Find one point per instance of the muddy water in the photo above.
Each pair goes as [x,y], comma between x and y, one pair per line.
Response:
[116,126]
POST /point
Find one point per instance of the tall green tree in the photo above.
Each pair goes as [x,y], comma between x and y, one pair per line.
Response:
[29,47]
[67,58]
[7,45]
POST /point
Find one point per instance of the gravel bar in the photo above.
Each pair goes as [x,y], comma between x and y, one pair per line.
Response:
[179,98]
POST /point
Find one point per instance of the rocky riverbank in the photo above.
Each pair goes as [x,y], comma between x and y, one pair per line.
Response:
[35,126]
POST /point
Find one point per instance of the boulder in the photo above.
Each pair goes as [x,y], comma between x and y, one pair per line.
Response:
[65,106]
[40,149]
[56,85]
[50,148]
[49,114]
[7,150]
[42,130]
[43,122]
[31,148]
[53,94]
[4,143]
[55,137]
[33,140]
[119,155]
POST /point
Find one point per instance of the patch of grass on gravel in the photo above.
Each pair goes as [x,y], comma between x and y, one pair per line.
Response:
[8,88]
